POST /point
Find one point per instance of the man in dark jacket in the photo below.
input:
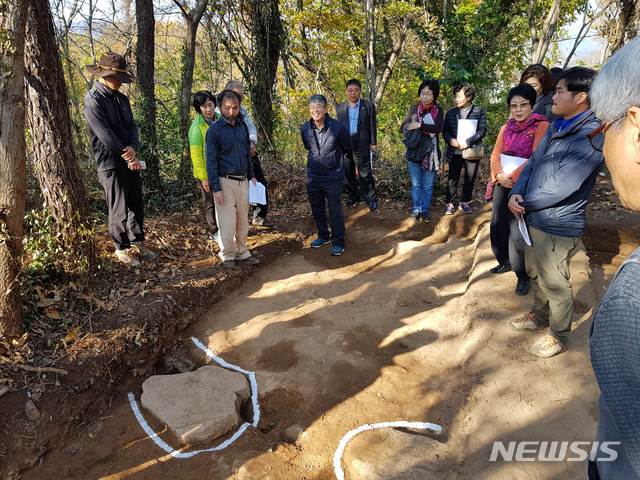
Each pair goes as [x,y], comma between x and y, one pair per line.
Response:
[229,166]
[326,141]
[115,143]
[552,193]
[359,117]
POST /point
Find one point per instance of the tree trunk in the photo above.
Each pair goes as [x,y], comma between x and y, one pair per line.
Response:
[268,41]
[627,22]
[145,57]
[13,17]
[54,159]
[541,38]
[370,29]
[192,18]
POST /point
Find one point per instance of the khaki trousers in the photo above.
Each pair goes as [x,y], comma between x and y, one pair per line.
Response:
[232,220]
[547,262]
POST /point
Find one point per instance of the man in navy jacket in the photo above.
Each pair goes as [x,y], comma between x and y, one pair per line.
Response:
[326,141]
[552,193]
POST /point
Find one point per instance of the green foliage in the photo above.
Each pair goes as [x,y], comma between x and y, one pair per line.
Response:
[46,248]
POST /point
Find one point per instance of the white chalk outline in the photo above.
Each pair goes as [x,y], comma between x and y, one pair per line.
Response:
[251,376]
[337,456]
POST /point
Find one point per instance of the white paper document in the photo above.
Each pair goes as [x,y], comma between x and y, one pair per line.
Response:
[510,163]
[428,119]
[257,194]
[522,226]
[466,129]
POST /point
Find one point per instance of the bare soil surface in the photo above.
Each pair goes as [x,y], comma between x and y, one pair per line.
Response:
[407,325]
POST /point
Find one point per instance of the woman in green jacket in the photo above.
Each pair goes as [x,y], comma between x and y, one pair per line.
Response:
[204,104]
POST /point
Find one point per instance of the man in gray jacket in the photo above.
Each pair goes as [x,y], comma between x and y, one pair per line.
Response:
[552,194]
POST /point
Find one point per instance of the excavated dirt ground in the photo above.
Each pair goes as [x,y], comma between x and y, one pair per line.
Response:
[407,325]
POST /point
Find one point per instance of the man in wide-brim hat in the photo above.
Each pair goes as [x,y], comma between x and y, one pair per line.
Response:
[111,65]
[115,143]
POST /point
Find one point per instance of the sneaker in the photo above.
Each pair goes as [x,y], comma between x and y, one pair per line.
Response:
[350,203]
[465,207]
[501,269]
[547,346]
[257,221]
[123,256]
[415,214]
[450,209]
[373,205]
[522,288]
[145,253]
[336,250]
[425,217]
[318,242]
[213,236]
[229,264]
[527,322]
[251,260]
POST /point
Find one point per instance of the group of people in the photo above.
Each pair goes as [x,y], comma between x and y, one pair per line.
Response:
[558,136]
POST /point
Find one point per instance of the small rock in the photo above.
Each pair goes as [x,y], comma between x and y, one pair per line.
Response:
[197,406]
[31,411]
[292,433]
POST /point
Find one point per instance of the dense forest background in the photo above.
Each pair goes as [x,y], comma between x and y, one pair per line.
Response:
[283,50]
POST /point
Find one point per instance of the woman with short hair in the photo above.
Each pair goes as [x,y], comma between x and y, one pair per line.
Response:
[420,129]
[204,103]
[463,96]
[518,138]
[540,78]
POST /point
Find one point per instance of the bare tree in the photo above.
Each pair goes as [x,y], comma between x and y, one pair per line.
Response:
[541,36]
[49,122]
[370,33]
[145,66]
[13,18]
[192,17]
[588,18]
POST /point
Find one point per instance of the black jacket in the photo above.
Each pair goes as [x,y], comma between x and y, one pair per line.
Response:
[111,126]
[325,158]
[367,123]
[419,142]
[450,129]
[227,147]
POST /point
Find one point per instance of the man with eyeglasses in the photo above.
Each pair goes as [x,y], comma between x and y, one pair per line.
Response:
[552,194]
[327,142]
[615,331]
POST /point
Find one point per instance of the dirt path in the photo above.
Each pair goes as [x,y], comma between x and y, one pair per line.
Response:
[407,325]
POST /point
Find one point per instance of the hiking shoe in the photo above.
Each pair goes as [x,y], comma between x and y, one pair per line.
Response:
[547,346]
[501,269]
[425,217]
[318,242]
[251,260]
[465,207]
[123,256]
[522,288]
[450,209]
[336,250]
[229,264]
[527,322]
[373,205]
[145,253]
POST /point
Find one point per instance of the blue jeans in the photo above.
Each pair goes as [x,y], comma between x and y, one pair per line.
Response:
[421,187]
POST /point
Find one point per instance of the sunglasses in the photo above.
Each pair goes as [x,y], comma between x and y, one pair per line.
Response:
[602,129]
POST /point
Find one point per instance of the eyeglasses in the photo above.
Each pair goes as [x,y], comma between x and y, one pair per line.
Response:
[602,129]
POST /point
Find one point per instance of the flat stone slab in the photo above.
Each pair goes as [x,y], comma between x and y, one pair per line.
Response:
[197,406]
